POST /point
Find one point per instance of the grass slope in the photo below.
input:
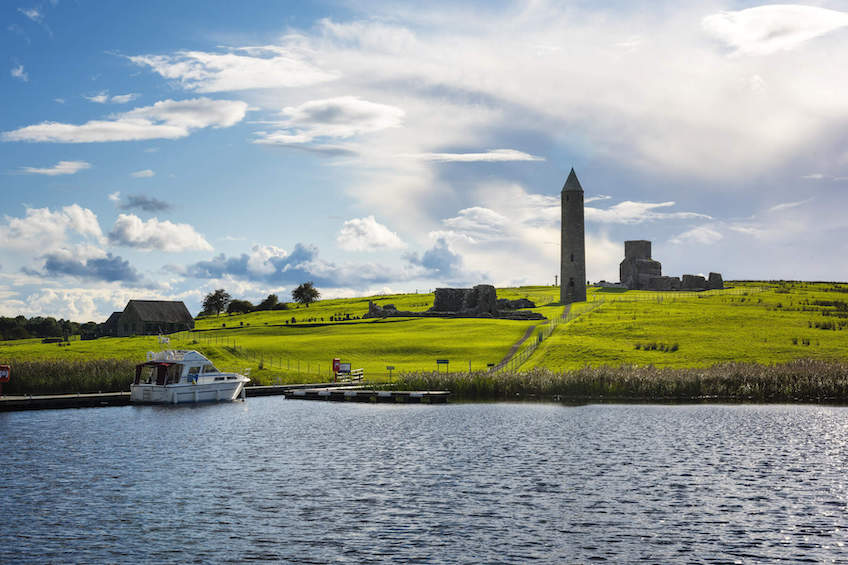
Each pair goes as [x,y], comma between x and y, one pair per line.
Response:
[754,322]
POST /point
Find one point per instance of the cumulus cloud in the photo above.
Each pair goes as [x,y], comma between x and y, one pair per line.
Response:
[141,202]
[492,156]
[764,30]
[367,234]
[42,229]
[628,212]
[440,261]
[241,68]
[479,224]
[60,168]
[144,174]
[108,269]
[168,119]
[19,73]
[342,117]
[273,265]
[152,235]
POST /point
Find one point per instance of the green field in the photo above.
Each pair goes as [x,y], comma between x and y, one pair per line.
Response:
[751,322]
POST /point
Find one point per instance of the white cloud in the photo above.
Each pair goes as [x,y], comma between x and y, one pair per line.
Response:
[152,235]
[60,168]
[341,117]
[19,73]
[99,98]
[103,97]
[168,119]
[259,260]
[42,230]
[788,205]
[764,30]
[628,212]
[813,176]
[367,234]
[115,196]
[705,235]
[144,174]
[241,69]
[32,13]
[494,155]
[124,98]
[478,224]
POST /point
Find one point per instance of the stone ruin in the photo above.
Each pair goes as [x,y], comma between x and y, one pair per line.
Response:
[639,271]
[479,302]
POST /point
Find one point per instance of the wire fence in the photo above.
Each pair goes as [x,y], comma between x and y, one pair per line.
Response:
[542,334]
[261,359]
[671,296]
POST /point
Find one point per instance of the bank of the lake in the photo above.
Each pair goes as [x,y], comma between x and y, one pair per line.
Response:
[804,380]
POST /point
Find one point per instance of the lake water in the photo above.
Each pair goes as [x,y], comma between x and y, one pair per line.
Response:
[312,482]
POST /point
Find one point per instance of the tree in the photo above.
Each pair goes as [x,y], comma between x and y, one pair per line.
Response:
[216,301]
[269,303]
[240,307]
[306,293]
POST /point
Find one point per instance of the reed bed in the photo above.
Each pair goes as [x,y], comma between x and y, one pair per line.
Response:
[804,380]
[61,376]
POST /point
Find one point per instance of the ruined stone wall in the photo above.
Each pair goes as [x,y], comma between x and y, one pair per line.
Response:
[482,299]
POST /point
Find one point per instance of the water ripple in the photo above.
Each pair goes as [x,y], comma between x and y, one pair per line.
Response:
[276,480]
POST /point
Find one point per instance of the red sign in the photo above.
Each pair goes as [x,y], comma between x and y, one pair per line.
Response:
[337,363]
[5,373]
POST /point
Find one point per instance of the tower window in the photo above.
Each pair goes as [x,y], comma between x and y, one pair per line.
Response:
[566,198]
[572,257]
[571,283]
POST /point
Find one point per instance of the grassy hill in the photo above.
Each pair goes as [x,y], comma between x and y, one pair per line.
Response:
[756,322]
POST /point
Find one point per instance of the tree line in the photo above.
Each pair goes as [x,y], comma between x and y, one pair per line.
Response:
[220,300]
[21,327]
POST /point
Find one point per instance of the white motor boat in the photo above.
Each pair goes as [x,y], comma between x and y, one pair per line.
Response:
[180,376]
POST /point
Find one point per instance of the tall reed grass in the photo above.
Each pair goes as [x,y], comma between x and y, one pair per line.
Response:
[60,376]
[804,380]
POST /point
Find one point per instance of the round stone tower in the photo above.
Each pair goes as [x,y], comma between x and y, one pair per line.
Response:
[573,258]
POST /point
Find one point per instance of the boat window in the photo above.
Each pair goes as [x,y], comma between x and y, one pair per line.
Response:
[210,369]
[174,374]
[193,370]
[147,375]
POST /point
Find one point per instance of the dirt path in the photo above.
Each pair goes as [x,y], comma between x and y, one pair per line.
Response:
[514,349]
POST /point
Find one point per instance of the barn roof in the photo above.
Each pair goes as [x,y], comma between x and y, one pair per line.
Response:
[112,319]
[160,310]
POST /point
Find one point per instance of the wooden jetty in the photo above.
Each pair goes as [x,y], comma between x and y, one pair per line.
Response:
[313,391]
[51,401]
[360,394]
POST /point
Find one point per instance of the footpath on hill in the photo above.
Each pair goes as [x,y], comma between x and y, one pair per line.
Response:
[514,349]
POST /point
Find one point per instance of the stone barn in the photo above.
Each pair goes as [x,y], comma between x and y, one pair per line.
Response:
[151,317]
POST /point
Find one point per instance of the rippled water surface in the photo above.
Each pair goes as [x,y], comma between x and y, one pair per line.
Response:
[312,482]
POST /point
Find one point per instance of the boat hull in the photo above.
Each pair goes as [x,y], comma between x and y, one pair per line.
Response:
[186,393]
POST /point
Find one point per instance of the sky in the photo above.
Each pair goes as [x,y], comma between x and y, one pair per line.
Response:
[161,150]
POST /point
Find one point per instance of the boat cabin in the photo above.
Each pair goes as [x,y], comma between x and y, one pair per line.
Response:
[172,367]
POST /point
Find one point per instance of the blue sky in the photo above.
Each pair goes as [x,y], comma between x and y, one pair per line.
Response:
[165,149]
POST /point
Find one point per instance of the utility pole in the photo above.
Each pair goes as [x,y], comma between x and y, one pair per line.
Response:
[555,280]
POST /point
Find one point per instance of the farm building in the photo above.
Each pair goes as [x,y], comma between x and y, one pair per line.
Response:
[149,317]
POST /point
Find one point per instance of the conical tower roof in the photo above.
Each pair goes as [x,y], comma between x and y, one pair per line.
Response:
[571,183]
